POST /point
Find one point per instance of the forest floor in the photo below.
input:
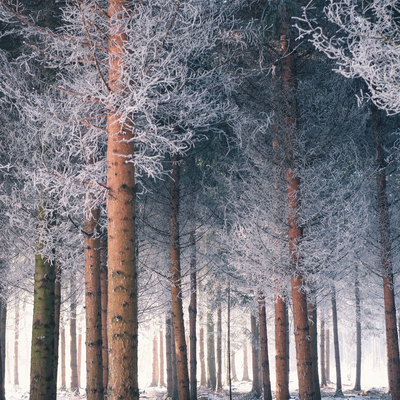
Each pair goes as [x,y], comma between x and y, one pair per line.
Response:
[240,391]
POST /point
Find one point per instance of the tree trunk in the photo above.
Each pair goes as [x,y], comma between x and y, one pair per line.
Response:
[193,312]
[176,290]
[229,341]
[16,342]
[94,365]
[256,389]
[312,318]
[357,385]
[219,348]
[281,347]
[161,352]
[63,372]
[57,314]
[79,357]
[175,389]
[203,378]
[336,344]
[264,348]
[73,352]
[43,384]
[168,354]
[328,358]
[3,348]
[211,371]
[392,342]
[154,378]
[322,354]
[104,301]
[122,316]
[246,377]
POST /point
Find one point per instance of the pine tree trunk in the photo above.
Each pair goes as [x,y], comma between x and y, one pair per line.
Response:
[336,344]
[168,355]
[203,378]
[122,316]
[328,358]
[193,312]
[176,290]
[281,347]
[94,365]
[211,371]
[246,377]
[312,318]
[43,384]
[229,341]
[392,342]
[63,371]
[322,353]
[154,378]
[79,357]
[16,342]
[357,385]
[73,352]
[219,348]
[266,379]
[256,389]
[161,352]
[233,366]
[175,388]
[3,348]
[57,314]
[104,301]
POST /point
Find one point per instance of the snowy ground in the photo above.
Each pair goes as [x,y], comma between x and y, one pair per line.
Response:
[240,391]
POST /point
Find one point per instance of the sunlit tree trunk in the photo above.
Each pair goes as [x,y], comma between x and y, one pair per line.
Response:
[312,318]
[219,348]
[357,385]
[392,342]
[328,358]
[256,389]
[281,347]
[154,378]
[104,301]
[57,315]
[246,377]
[176,285]
[16,342]
[161,352]
[79,357]
[266,379]
[193,311]
[63,371]
[72,348]
[94,366]
[336,343]
[168,355]
[122,316]
[43,384]
[203,379]
[322,353]
[211,370]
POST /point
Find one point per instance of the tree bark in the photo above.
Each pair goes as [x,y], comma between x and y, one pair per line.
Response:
[175,389]
[104,301]
[57,315]
[43,384]
[229,341]
[256,389]
[281,347]
[328,358]
[168,354]
[392,341]
[203,379]
[79,357]
[176,289]
[193,312]
[63,372]
[154,378]
[3,348]
[357,385]
[312,318]
[264,348]
[322,353]
[161,352]
[16,342]
[122,317]
[94,365]
[336,343]
[211,370]
[73,352]
[246,377]
[219,348]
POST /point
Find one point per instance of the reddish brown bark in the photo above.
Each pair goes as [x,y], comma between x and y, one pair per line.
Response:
[256,389]
[104,301]
[72,348]
[281,348]
[161,352]
[16,342]
[392,341]
[336,343]
[219,348]
[266,379]
[122,318]
[168,354]
[176,290]
[94,366]
[322,353]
